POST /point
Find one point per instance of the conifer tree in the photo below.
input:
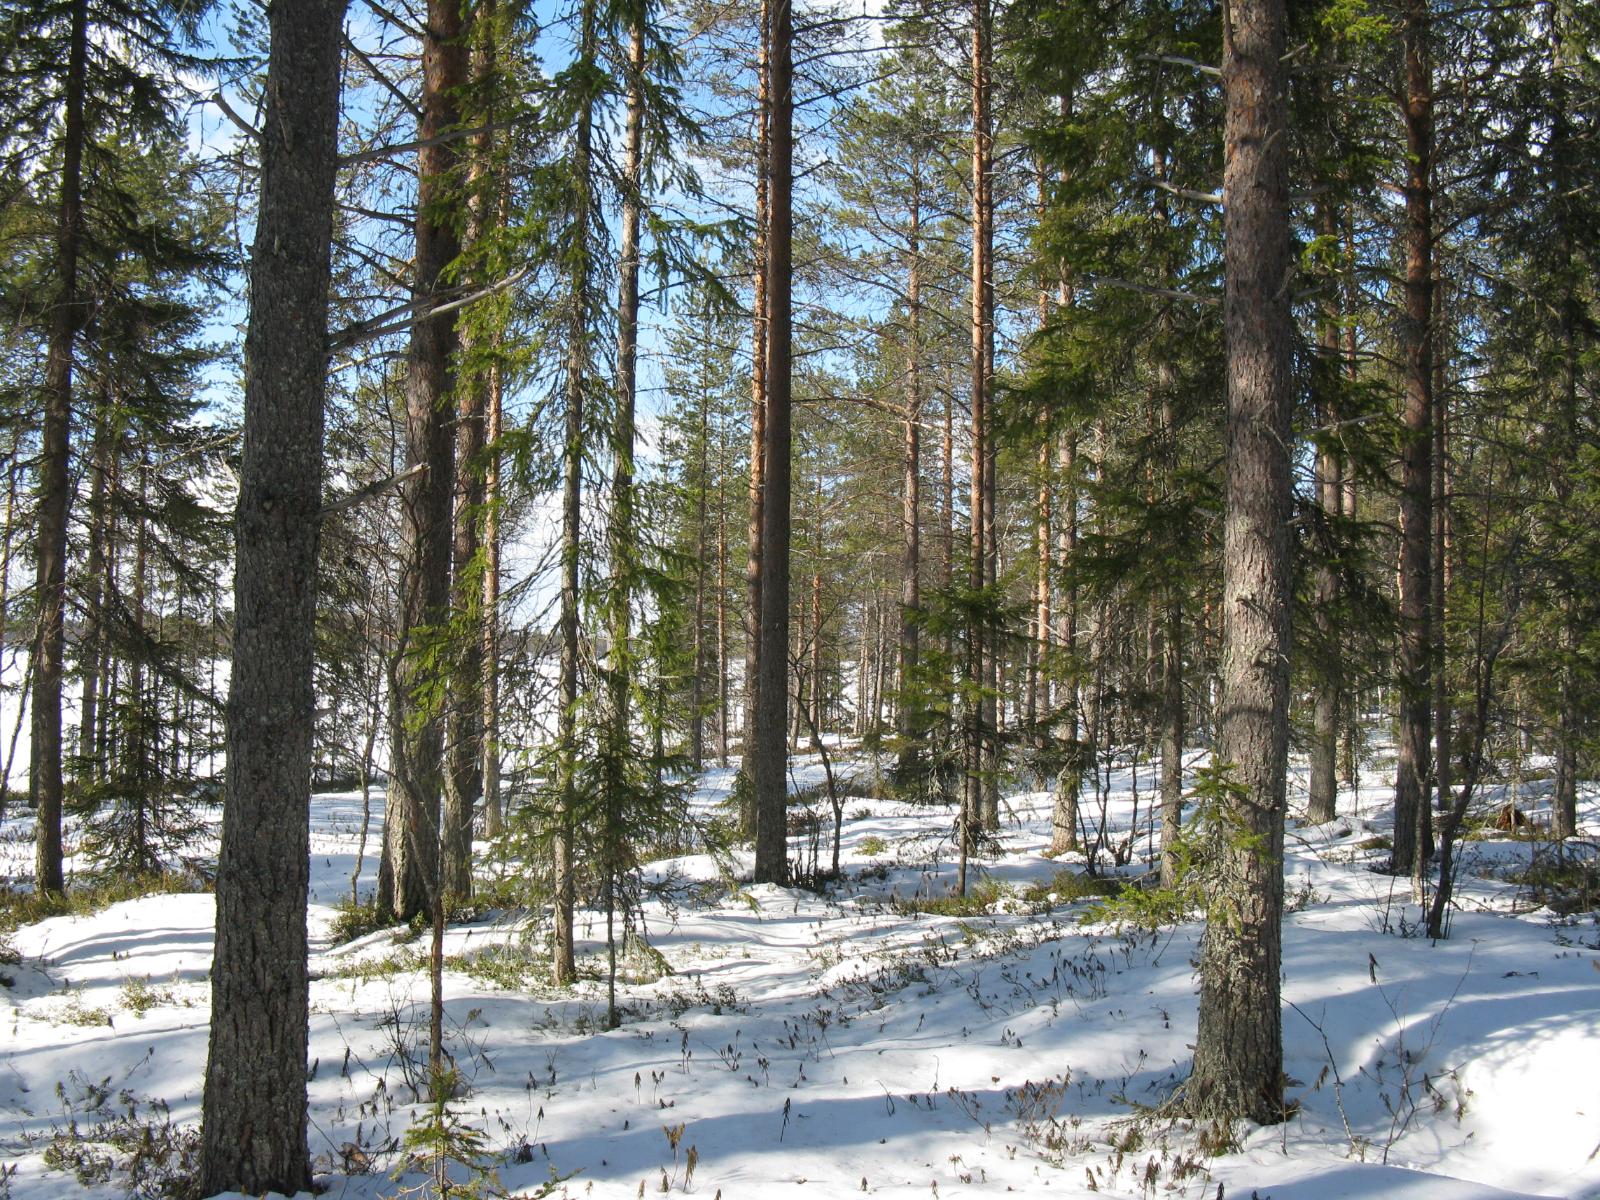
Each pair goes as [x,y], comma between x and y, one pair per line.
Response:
[254,1107]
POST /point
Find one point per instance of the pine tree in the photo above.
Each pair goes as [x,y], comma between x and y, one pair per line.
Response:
[1238,1062]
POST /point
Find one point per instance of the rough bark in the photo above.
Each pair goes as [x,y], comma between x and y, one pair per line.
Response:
[464,738]
[564,957]
[770,753]
[1238,1063]
[410,869]
[55,487]
[254,1107]
[1413,769]
[759,335]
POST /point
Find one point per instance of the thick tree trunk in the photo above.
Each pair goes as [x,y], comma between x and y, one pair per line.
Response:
[416,777]
[760,333]
[1238,1062]
[464,736]
[771,759]
[254,1108]
[1413,774]
[55,487]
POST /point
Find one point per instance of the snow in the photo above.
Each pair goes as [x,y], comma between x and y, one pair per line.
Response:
[821,1045]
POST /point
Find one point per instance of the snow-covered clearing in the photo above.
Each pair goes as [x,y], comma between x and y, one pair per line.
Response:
[818,1045]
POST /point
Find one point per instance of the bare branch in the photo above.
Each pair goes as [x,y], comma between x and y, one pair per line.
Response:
[221,102]
[350,499]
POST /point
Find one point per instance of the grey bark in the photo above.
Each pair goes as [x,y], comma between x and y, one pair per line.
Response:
[1238,1062]
[254,1105]
[1413,769]
[411,861]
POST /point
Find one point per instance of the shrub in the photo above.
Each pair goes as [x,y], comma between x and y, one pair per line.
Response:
[975,903]
[352,920]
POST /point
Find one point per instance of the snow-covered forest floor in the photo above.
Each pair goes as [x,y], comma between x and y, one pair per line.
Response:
[780,1043]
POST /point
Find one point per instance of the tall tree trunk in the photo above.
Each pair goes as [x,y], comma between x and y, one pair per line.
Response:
[760,335]
[493,806]
[978,653]
[1328,488]
[697,675]
[1238,1060]
[815,711]
[772,692]
[1440,582]
[722,603]
[104,727]
[6,543]
[96,592]
[464,778]
[139,779]
[564,958]
[722,597]
[1350,730]
[908,719]
[55,488]
[1172,706]
[1563,71]
[253,1124]
[988,676]
[620,599]
[416,737]
[1064,811]
[1412,775]
[1171,634]
[1039,676]
[950,736]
